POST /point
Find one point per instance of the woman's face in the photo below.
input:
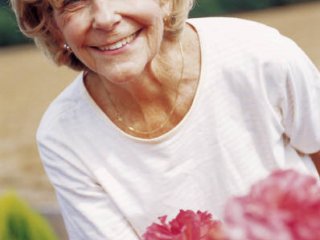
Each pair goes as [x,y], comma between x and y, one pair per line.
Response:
[114,38]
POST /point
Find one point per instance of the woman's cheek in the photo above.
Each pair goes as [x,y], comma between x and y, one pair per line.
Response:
[145,13]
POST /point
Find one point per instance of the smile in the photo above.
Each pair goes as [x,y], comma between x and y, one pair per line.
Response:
[119,44]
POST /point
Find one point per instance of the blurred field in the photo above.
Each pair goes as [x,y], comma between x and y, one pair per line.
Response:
[28,83]
[301,22]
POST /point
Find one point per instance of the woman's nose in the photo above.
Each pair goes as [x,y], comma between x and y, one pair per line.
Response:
[104,15]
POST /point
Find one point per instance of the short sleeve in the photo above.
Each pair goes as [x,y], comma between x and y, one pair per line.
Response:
[301,99]
[88,211]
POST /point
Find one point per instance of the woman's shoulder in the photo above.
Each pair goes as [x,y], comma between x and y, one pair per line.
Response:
[241,39]
[235,33]
[231,25]
[65,107]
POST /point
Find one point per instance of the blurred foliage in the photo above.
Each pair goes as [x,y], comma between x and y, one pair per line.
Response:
[10,34]
[9,31]
[19,222]
[218,7]
[4,3]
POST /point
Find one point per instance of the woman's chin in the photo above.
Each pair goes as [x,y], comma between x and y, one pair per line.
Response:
[123,76]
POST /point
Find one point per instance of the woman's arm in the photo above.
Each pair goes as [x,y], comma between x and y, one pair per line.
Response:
[88,211]
[301,101]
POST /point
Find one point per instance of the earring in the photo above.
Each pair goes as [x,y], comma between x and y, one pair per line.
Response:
[67,47]
[170,20]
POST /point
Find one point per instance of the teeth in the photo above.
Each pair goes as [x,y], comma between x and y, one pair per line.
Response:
[119,44]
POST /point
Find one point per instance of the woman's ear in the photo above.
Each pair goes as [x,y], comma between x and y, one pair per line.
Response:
[56,32]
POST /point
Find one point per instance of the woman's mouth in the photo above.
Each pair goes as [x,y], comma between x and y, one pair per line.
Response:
[120,44]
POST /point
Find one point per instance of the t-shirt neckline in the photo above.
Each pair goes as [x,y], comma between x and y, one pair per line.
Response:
[182,123]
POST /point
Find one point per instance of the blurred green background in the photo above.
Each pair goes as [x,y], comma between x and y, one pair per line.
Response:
[219,7]
[10,34]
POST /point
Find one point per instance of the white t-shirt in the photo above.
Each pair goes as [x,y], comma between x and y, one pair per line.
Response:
[257,108]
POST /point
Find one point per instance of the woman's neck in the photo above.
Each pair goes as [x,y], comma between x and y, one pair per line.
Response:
[148,102]
[157,83]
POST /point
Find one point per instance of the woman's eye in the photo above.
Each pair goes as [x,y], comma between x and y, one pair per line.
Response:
[68,2]
[72,5]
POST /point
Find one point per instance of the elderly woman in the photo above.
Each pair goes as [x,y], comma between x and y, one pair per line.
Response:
[168,113]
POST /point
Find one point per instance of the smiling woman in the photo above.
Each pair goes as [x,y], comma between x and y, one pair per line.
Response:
[93,32]
[167,113]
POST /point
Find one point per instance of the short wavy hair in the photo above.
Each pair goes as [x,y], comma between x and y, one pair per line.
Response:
[35,20]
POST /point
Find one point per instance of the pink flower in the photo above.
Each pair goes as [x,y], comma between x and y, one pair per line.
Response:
[284,206]
[187,225]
